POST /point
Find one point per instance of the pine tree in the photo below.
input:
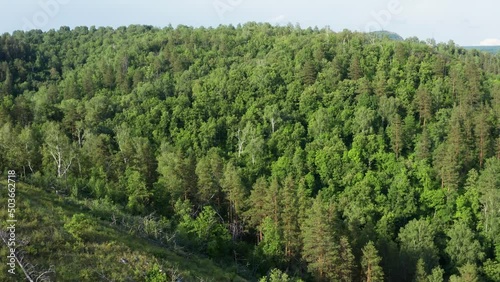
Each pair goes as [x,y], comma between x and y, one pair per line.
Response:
[264,201]
[345,265]
[304,201]
[370,263]
[495,101]
[424,104]
[420,273]
[448,171]
[380,84]
[309,73]
[355,71]
[457,82]
[272,200]
[423,146]
[7,85]
[447,166]
[289,218]
[472,96]
[482,133]
[396,131]
[320,248]
[176,171]
[209,171]
[235,192]
[257,206]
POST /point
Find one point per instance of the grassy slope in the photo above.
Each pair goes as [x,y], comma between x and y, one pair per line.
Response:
[97,256]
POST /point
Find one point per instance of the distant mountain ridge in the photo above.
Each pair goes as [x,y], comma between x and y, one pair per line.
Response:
[388,34]
[394,36]
[488,49]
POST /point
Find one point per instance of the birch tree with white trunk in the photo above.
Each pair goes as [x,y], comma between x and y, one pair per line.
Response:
[59,148]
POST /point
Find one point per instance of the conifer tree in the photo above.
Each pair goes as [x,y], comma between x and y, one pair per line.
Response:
[290,217]
[320,247]
[235,192]
[370,263]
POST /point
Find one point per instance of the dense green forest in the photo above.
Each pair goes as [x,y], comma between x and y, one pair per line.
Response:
[275,152]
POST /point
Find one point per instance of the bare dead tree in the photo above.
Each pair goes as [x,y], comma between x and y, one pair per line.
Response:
[29,270]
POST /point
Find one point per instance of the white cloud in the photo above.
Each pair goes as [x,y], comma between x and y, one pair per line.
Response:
[490,42]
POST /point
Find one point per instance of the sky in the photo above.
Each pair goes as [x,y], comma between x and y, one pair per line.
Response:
[464,22]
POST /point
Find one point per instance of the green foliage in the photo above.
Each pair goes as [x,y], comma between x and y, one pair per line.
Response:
[272,242]
[463,247]
[156,274]
[138,195]
[263,146]
[492,270]
[81,226]
[320,249]
[276,275]
[213,235]
[436,275]
[420,273]
[370,263]
[205,232]
[101,241]
[417,243]
[488,184]
[468,273]
[329,255]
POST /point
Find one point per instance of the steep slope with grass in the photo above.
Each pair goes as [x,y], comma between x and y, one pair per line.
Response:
[93,241]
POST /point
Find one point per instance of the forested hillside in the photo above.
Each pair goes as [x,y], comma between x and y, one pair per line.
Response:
[290,153]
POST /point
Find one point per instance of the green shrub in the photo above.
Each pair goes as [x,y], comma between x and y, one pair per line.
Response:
[81,226]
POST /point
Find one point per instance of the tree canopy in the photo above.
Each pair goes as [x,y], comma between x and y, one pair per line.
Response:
[306,153]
